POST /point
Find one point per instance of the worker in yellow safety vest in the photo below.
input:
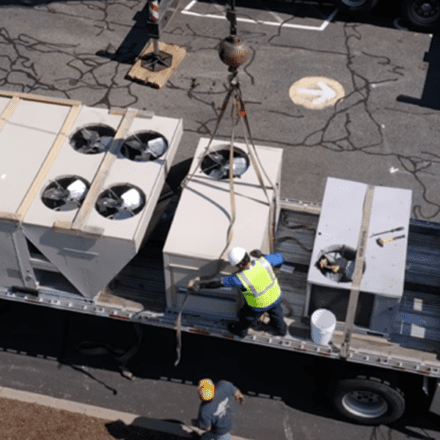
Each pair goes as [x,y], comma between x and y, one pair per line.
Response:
[260,287]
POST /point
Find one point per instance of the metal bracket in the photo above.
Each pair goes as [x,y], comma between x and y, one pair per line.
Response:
[157,60]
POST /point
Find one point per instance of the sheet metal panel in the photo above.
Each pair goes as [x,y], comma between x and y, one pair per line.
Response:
[22,151]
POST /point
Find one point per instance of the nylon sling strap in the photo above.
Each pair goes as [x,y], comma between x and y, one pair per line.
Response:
[232,198]
[358,272]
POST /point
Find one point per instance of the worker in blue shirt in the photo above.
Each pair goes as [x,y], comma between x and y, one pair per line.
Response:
[260,287]
[216,409]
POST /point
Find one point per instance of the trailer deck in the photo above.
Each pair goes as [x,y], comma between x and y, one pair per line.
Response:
[137,295]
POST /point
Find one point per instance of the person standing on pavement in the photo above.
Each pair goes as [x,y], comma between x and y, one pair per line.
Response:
[260,287]
[216,410]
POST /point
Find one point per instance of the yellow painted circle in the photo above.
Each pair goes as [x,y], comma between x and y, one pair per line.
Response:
[316,92]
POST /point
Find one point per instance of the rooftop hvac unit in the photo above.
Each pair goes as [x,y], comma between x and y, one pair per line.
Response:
[336,240]
[199,230]
[90,198]
[28,130]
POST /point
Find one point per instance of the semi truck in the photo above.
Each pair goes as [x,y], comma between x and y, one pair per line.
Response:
[94,219]
[420,15]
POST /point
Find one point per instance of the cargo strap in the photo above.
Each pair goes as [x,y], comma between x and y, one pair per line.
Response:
[358,272]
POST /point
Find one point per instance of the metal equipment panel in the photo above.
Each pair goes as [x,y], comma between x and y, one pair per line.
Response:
[88,263]
[4,102]
[10,272]
[148,176]
[118,190]
[22,150]
[40,116]
[199,232]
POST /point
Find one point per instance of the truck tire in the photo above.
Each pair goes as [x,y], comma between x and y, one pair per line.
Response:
[421,15]
[355,7]
[368,400]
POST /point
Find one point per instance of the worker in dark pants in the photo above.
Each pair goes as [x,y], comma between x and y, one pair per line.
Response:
[260,288]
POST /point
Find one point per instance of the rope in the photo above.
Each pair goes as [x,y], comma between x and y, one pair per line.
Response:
[222,112]
[257,165]
[240,112]
[122,356]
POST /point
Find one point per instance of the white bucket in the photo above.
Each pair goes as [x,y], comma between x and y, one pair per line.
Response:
[323,324]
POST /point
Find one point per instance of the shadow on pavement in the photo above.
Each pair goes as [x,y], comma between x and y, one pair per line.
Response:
[300,381]
[431,90]
[144,428]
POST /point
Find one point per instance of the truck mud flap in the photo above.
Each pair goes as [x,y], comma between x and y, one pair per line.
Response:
[435,403]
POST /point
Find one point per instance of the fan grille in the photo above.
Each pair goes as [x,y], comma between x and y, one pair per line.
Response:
[216,163]
[144,146]
[120,202]
[92,139]
[65,193]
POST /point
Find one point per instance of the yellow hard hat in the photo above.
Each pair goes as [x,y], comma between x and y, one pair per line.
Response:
[206,389]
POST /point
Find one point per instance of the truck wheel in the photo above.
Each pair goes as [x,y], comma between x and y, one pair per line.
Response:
[369,401]
[355,7]
[422,15]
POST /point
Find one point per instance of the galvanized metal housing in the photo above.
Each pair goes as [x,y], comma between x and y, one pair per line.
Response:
[199,231]
[81,244]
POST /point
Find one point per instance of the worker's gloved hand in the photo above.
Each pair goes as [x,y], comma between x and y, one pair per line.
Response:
[256,253]
[194,284]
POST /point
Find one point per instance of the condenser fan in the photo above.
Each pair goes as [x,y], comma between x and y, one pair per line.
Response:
[65,194]
[216,163]
[144,146]
[120,202]
[93,139]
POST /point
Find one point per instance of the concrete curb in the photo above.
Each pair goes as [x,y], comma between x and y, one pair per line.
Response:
[103,413]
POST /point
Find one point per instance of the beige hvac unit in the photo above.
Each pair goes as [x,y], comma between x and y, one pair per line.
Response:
[28,130]
[88,214]
[199,230]
[336,239]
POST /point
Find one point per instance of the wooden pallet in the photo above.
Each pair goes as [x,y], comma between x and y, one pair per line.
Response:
[157,79]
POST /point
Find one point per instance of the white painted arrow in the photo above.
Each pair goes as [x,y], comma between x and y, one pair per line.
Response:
[324,92]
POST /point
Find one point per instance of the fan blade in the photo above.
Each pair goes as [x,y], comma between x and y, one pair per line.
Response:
[77,190]
[107,202]
[132,199]
[102,143]
[135,143]
[157,146]
[218,173]
[89,135]
[56,194]
[239,166]
[217,158]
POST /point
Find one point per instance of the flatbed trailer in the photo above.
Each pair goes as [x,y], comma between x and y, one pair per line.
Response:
[137,293]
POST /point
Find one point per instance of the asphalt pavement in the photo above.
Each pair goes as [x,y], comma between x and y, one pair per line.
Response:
[382,129]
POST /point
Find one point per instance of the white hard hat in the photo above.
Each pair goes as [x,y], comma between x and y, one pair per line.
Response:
[236,255]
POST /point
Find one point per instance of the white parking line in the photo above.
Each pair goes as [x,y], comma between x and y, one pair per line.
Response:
[325,23]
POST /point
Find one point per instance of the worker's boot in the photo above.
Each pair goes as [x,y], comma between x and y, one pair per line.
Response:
[233,328]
